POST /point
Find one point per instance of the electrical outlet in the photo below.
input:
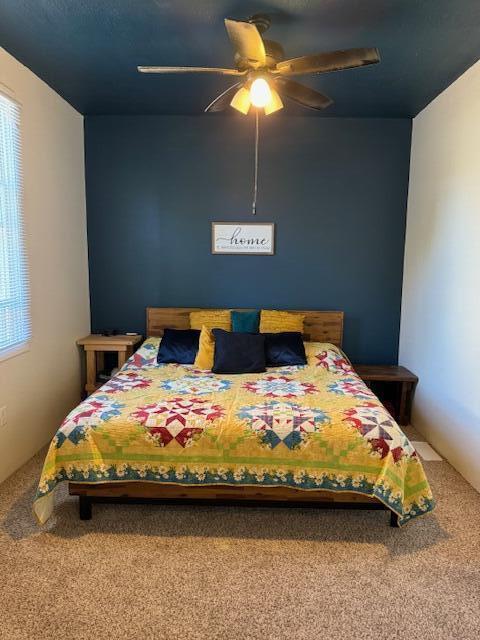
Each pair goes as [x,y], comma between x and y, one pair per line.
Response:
[3,416]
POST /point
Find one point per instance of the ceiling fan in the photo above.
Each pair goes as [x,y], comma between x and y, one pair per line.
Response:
[265,75]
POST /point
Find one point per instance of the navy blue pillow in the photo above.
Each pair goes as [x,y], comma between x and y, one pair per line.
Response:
[178,346]
[284,349]
[238,352]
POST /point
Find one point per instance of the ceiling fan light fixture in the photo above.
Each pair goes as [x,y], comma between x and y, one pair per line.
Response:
[275,103]
[263,65]
[241,101]
[260,93]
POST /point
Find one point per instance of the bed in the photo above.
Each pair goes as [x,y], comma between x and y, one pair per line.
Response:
[311,435]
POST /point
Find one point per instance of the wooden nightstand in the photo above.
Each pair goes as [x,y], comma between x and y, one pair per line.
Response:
[383,377]
[95,347]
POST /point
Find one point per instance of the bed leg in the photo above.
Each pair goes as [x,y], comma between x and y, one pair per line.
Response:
[394,518]
[85,507]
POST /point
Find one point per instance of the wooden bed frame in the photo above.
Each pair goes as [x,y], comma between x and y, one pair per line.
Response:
[319,326]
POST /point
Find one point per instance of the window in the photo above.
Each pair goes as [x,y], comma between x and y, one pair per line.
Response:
[14,303]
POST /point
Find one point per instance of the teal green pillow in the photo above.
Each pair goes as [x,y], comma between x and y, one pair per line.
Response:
[245,321]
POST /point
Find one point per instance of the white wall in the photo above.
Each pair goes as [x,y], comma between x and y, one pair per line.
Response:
[38,387]
[440,327]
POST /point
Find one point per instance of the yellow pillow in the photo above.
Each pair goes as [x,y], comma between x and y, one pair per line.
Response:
[277,321]
[213,319]
[206,349]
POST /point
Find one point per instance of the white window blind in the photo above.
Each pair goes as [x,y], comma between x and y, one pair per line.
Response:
[14,302]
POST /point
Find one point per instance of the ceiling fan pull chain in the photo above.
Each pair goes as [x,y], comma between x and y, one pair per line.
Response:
[255,182]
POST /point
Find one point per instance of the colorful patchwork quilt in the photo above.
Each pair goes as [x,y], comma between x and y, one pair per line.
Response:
[309,427]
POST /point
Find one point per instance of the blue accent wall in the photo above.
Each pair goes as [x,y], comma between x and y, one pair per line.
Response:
[336,189]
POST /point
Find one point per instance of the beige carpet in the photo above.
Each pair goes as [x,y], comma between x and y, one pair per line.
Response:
[182,572]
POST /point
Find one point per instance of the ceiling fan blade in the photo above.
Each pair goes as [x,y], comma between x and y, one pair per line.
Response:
[331,61]
[222,101]
[247,42]
[223,72]
[303,95]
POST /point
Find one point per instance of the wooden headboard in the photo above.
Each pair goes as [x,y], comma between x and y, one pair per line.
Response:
[319,326]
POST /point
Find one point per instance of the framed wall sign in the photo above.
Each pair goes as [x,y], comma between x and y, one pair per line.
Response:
[247,238]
